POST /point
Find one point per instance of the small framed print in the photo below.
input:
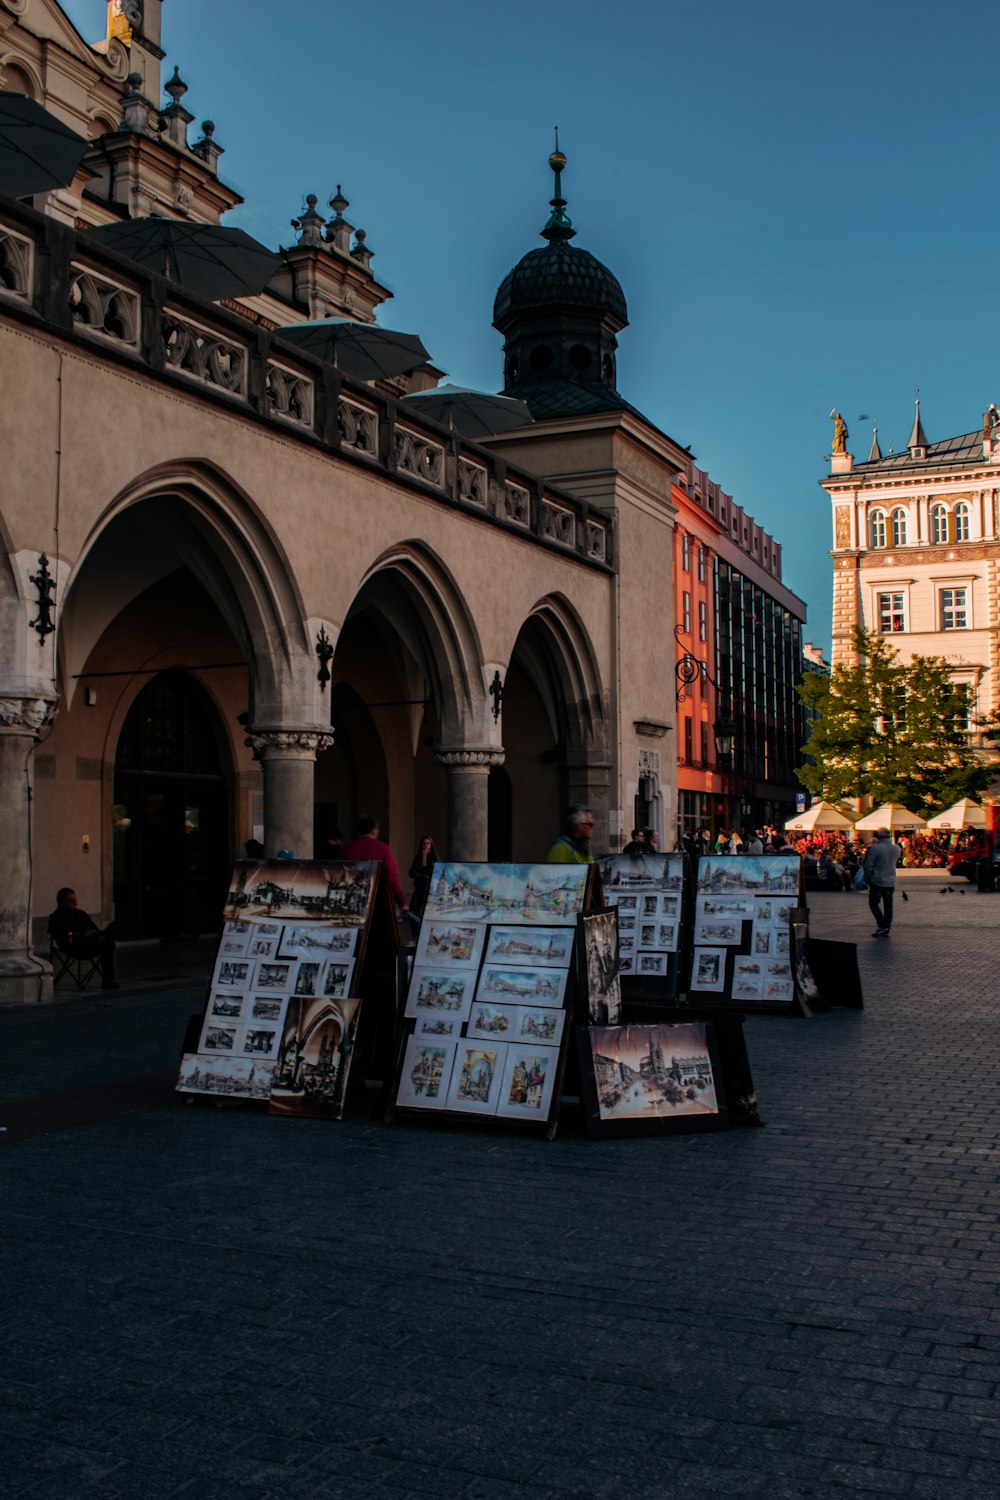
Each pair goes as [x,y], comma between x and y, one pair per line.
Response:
[261,1040]
[276,976]
[534,947]
[267,929]
[225,1005]
[626,959]
[234,945]
[529,1078]
[337,978]
[437,1023]
[650,1079]
[626,921]
[762,937]
[782,942]
[715,930]
[782,913]
[777,968]
[626,942]
[456,944]
[627,905]
[268,1008]
[647,935]
[652,963]
[227,1077]
[262,947]
[708,970]
[220,1036]
[426,1073]
[508,985]
[308,976]
[650,905]
[728,904]
[477,1076]
[670,907]
[237,930]
[779,990]
[764,910]
[440,992]
[599,967]
[232,974]
[495,1023]
[748,977]
[540,1027]
[319,942]
[666,936]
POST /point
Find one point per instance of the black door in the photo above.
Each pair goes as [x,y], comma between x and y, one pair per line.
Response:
[171,814]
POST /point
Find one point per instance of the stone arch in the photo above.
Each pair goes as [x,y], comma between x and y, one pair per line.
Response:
[554,640]
[189,514]
[18,76]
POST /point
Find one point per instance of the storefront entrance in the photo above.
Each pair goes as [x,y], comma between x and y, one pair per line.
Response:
[171,814]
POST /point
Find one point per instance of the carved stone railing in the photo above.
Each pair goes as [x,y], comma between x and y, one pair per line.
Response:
[17,259]
[289,395]
[473,483]
[558,522]
[104,307]
[417,455]
[204,355]
[598,539]
[515,504]
[358,426]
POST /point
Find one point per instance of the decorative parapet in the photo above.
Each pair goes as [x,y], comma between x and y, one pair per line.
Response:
[203,355]
[417,455]
[473,483]
[288,395]
[104,307]
[558,522]
[17,264]
[598,537]
[515,504]
[358,426]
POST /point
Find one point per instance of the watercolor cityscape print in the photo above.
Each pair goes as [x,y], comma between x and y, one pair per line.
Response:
[550,895]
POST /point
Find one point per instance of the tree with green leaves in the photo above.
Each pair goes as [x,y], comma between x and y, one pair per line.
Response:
[891,730]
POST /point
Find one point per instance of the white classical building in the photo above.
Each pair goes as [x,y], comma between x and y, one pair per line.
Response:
[916,552]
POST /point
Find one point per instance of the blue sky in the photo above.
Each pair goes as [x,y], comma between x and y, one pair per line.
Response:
[799,200]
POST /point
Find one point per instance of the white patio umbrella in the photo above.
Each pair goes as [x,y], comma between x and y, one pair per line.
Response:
[891,815]
[964,814]
[822,817]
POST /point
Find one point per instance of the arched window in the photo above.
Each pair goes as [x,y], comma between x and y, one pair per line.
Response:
[939,523]
[899,528]
[878,528]
[963,521]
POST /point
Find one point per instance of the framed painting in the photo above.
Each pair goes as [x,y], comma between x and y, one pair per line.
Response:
[534,947]
[337,974]
[437,1023]
[319,942]
[599,966]
[263,945]
[708,970]
[625,874]
[492,1022]
[225,1077]
[426,1072]
[546,894]
[748,977]
[225,1005]
[268,1008]
[308,976]
[220,1037]
[297,891]
[233,974]
[440,992]
[650,1079]
[718,930]
[770,874]
[476,1077]
[261,1039]
[313,1060]
[235,944]
[734,907]
[454,944]
[538,1026]
[535,986]
[528,1082]
[274,976]
[652,964]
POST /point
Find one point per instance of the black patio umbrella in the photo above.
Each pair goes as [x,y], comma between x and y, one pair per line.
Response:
[474,414]
[37,151]
[210,260]
[358,349]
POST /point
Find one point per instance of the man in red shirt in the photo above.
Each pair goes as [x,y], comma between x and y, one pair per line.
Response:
[368,845]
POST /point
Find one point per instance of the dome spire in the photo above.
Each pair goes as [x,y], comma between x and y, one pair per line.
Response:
[559,228]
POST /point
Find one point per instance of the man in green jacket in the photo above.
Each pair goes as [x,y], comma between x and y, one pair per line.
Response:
[573,846]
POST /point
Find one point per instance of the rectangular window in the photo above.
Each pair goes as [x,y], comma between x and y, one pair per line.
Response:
[701,565]
[688,741]
[954,609]
[686,552]
[702,621]
[687,613]
[891,613]
[704,744]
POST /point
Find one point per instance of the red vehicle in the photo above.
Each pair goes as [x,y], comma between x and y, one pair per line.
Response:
[971,846]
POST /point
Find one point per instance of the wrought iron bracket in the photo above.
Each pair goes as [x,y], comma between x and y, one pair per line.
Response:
[496,693]
[46,586]
[689,669]
[324,650]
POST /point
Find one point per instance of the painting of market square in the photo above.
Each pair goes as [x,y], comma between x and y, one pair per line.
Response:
[549,894]
[302,891]
[778,873]
[652,1071]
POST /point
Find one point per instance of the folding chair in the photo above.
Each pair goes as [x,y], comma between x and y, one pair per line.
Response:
[81,967]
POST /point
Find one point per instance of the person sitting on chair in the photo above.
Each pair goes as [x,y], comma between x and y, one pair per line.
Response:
[73,932]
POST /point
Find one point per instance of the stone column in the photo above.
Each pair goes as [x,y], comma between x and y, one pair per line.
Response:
[23,976]
[468,802]
[288,758]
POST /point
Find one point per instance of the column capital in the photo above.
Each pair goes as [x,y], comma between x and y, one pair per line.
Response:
[26,714]
[481,759]
[288,744]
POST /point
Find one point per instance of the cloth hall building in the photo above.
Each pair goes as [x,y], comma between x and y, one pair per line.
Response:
[245,594]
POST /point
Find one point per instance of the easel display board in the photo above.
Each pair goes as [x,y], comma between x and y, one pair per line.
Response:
[283,1007]
[648,891]
[741,941]
[486,1022]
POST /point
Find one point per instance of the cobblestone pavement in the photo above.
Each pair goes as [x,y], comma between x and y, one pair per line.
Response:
[214,1304]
